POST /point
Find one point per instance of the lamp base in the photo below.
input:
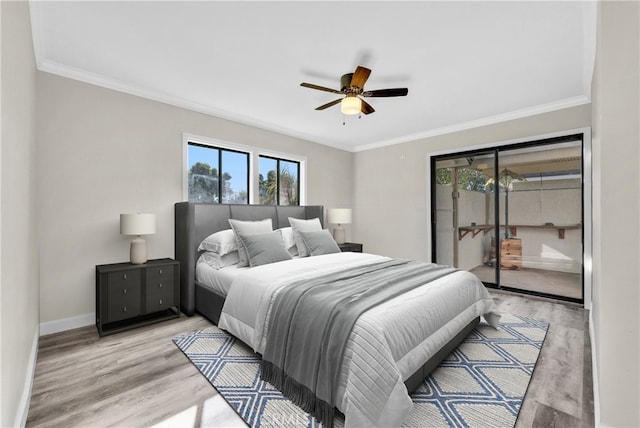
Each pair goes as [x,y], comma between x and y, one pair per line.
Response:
[138,252]
[338,234]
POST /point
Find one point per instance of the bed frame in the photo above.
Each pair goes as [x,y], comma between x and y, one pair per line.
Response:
[194,222]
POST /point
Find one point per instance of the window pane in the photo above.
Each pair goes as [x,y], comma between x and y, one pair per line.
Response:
[235,173]
[288,182]
[268,181]
[203,174]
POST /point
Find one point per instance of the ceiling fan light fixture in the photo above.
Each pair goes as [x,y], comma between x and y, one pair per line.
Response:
[350,105]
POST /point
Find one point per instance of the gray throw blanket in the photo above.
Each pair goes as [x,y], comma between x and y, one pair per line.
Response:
[311,322]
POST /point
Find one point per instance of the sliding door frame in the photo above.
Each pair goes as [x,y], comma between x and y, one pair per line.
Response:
[582,133]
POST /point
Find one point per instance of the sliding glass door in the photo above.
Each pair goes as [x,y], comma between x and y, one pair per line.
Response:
[463,218]
[535,242]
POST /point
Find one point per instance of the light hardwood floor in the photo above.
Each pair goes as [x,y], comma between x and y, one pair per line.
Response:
[541,281]
[140,378]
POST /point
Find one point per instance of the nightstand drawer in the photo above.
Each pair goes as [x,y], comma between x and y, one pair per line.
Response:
[159,274]
[123,295]
[159,287]
[351,247]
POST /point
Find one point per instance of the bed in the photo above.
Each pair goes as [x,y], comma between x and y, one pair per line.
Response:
[382,330]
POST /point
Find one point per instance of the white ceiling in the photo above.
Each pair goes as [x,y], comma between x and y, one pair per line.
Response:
[465,63]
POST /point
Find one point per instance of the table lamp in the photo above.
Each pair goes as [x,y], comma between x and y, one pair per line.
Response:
[137,225]
[339,216]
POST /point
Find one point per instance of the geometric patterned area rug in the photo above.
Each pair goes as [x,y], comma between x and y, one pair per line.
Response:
[481,384]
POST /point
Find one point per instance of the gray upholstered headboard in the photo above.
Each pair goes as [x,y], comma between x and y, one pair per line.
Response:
[194,222]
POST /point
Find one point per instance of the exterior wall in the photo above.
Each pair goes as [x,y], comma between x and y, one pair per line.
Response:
[616,213]
[542,249]
[557,203]
[18,229]
[102,153]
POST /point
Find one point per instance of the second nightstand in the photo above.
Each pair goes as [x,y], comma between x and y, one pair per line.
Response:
[350,247]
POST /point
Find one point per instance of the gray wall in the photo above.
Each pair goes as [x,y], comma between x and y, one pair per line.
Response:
[102,153]
[19,249]
[616,214]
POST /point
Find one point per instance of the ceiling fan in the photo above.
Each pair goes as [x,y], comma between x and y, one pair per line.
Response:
[352,86]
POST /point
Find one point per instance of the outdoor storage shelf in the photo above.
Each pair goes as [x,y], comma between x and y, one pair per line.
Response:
[474,230]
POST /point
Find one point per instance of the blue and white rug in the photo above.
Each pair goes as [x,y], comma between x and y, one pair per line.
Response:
[481,384]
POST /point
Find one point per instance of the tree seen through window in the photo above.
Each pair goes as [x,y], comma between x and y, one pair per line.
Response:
[279,182]
[217,175]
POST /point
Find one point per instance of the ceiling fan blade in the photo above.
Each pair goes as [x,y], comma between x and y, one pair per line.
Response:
[366,107]
[320,88]
[327,105]
[395,92]
[360,77]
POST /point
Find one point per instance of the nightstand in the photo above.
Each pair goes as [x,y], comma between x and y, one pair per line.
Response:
[350,247]
[129,296]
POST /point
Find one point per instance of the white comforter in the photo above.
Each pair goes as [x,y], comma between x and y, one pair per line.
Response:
[392,340]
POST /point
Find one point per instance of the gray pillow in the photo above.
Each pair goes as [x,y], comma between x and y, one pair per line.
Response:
[300,225]
[320,242]
[265,248]
[241,227]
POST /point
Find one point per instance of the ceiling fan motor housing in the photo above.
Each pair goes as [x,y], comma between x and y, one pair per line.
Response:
[345,82]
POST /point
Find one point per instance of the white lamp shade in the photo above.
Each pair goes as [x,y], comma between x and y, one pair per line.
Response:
[350,105]
[339,216]
[137,224]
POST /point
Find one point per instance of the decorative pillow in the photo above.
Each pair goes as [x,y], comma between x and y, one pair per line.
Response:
[289,240]
[222,242]
[217,261]
[241,227]
[320,242]
[300,225]
[264,248]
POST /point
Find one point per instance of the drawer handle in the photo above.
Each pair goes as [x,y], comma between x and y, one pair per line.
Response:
[124,276]
[160,285]
[160,301]
[160,271]
[124,309]
[124,291]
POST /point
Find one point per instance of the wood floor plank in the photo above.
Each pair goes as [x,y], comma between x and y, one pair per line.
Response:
[561,384]
[561,387]
[139,378]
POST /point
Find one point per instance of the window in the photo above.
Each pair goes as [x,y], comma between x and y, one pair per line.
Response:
[216,171]
[217,175]
[279,182]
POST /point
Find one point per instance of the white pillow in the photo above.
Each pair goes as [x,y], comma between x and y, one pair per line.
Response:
[221,243]
[289,240]
[300,225]
[217,261]
[241,227]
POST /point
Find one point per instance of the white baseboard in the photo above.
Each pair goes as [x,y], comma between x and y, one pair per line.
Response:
[25,399]
[594,373]
[65,324]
